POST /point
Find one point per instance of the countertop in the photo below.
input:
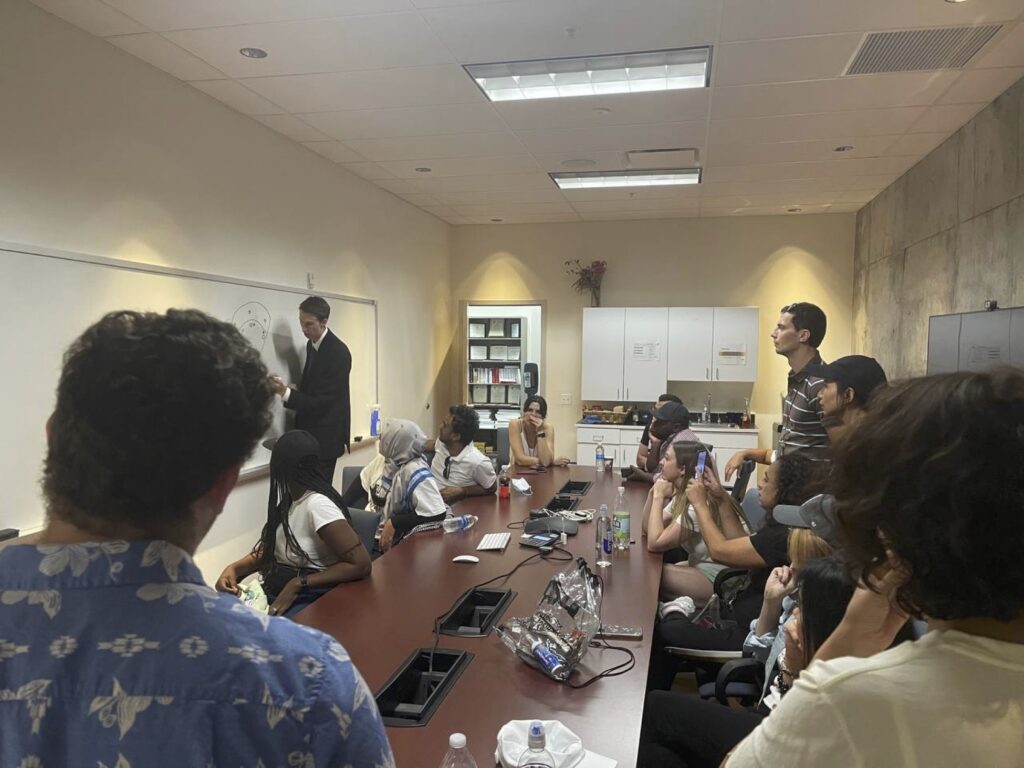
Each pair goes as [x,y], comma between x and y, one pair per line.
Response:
[696,427]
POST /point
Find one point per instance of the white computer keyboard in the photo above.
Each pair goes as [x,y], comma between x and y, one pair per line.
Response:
[494,541]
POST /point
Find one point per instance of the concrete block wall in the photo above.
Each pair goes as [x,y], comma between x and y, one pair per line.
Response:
[944,237]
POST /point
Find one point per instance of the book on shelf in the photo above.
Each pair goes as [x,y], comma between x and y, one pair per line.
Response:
[499,352]
[513,395]
[498,394]
[497,327]
[514,329]
[477,330]
[477,352]
[513,353]
[478,394]
[508,373]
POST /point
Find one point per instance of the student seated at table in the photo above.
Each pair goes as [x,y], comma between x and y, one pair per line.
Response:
[531,439]
[670,521]
[934,530]
[409,492]
[849,384]
[639,471]
[682,730]
[308,545]
[670,424]
[459,467]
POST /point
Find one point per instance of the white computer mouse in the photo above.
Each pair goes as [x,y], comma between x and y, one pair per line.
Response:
[466,559]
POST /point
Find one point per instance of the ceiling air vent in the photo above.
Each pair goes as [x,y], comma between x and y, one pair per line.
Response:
[914,50]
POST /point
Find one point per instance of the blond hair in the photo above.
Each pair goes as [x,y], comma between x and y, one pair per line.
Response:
[805,545]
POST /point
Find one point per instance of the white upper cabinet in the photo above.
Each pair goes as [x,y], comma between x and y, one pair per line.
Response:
[604,332]
[734,347]
[690,332]
[645,353]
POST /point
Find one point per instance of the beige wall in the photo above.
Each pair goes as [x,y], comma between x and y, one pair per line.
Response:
[763,261]
[102,154]
[944,237]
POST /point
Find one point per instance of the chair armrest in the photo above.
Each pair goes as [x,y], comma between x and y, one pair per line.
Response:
[700,655]
[738,670]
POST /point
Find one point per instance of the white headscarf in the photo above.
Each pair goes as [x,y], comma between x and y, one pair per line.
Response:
[401,444]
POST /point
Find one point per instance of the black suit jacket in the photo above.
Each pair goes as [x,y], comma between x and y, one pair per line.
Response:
[321,402]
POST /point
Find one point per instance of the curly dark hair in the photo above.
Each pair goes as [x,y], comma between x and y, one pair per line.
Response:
[934,473]
[150,410]
[465,421]
[798,478]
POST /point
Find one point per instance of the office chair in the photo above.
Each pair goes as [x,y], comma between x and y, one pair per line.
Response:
[753,510]
[501,441]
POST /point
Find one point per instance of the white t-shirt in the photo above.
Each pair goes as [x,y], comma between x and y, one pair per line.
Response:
[948,699]
[307,516]
[470,467]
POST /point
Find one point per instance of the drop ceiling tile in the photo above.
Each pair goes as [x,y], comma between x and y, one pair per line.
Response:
[532,29]
[906,89]
[456,220]
[598,111]
[556,162]
[916,144]
[407,121]
[766,210]
[238,97]
[443,211]
[317,45]
[162,54]
[769,200]
[877,182]
[461,166]
[689,192]
[690,213]
[487,182]
[370,171]
[293,128]
[796,151]
[1007,50]
[945,118]
[536,218]
[981,85]
[783,60]
[614,137]
[859,196]
[377,89]
[444,146]
[845,207]
[334,151]
[743,20]
[93,16]
[635,204]
[494,196]
[420,199]
[162,15]
[832,169]
[780,186]
[826,125]
[400,186]
[512,209]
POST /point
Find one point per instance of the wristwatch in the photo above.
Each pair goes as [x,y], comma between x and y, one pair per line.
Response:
[304,580]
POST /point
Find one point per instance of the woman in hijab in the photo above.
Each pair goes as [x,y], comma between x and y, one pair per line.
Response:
[308,545]
[407,492]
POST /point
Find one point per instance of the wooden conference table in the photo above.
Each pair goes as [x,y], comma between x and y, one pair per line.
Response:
[381,620]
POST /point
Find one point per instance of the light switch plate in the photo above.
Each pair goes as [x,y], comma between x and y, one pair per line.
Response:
[567,398]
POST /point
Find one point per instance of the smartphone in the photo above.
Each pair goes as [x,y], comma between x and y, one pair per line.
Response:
[702,457]
[619,632]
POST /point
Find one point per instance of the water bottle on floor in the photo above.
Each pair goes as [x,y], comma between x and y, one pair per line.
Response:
[537,755]
[460,523]
[458,755]
[599,458]
[603,542]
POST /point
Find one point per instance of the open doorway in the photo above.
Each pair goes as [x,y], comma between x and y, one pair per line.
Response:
[502,361]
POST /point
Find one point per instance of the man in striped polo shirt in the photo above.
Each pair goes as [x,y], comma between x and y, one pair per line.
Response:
[799,331]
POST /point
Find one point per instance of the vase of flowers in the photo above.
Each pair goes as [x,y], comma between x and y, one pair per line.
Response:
[587,278]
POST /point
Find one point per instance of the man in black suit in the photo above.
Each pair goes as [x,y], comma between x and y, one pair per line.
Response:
[321,400]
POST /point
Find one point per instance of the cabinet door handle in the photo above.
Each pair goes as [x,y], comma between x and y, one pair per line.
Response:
[716,374]
[616,393]
[627,393]
[707,374]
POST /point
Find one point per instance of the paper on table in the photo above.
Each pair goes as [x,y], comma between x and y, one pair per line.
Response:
[594,760]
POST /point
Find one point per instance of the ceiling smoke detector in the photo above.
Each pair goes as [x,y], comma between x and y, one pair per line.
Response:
[253,53]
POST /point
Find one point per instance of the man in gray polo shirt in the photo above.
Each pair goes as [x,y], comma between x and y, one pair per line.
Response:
[459,467]
[797,335]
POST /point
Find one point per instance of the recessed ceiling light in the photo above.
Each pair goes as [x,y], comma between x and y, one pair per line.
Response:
[956,1]
[602,111]
[593,75]
[423,169]
[253,53]
[611,179]
[843,148]
[497,220]
[793,210]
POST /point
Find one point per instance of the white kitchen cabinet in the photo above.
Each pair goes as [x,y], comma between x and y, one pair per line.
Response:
[690,333]
[712,344]
[624,353]
[734,348]
[604,332]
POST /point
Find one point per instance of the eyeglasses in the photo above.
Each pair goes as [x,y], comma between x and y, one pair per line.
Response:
[447,467]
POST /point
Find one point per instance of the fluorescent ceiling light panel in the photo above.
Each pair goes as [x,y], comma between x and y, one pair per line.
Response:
[594,75]
[665,177]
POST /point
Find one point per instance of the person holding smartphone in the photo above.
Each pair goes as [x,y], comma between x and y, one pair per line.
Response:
[531,439]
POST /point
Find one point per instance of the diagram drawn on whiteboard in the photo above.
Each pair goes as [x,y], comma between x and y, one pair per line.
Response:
[253,320]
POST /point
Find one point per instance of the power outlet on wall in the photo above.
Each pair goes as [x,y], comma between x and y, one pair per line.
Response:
[566,398]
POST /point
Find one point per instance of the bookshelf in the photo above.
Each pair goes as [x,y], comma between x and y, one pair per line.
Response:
[496,348]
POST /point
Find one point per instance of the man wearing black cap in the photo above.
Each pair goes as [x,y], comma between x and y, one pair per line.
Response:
[670,425]
[849,382]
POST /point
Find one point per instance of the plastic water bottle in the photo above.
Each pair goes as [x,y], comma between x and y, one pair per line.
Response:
[599,458]
[620,521]
[375,420]
[603,524]
[503,483]
[537,755]
[458,755]
[460,523]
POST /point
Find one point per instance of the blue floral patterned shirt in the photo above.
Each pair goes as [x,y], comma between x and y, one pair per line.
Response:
[116,654]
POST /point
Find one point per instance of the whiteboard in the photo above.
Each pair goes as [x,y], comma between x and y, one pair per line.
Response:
[51,297]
